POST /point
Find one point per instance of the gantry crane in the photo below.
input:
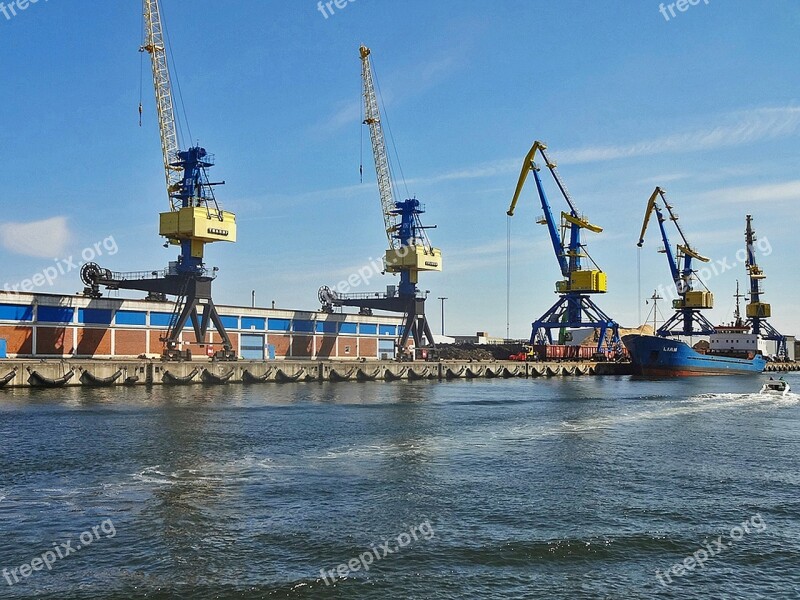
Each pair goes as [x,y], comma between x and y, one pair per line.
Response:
[574,308]
[410,252]
[688,319]
[194,219]
[758,312]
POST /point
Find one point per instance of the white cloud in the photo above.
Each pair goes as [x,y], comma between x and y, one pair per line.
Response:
[770,192]
[347,113]
[42,239]
[735,129]
[399,87]
[662,179]
[497,167]
[743,127]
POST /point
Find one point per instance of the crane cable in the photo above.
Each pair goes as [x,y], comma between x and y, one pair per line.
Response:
[141,73]
[174,77]
[361,140]
[639,282]
[508,277]
[385,119]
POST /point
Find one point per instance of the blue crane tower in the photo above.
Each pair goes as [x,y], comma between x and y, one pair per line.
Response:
[574,308]
[194,220]
[758,312]
[688,318]
[410,251]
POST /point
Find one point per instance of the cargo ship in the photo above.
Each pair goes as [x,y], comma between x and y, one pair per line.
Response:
[658,356]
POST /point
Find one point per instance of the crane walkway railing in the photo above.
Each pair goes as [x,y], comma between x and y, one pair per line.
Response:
[368,296]
[160,274]
[137,275]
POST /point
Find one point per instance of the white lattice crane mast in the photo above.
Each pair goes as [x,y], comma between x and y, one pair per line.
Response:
[154,45]
[372,118]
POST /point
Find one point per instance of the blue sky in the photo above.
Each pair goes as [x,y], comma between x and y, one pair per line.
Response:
[705,105]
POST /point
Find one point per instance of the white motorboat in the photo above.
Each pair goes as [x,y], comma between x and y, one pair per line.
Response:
[776,386]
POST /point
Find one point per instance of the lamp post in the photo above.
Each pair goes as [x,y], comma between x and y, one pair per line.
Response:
[442,299]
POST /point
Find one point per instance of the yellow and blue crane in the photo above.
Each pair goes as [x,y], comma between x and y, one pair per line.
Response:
[688,318]
[574,308]
[757,311]
[410,251]
[193,220]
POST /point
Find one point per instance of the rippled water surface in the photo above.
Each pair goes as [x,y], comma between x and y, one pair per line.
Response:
[550,488]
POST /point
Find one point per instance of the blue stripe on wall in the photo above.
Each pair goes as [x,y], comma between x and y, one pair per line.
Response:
[94,316]
[131,317]
[303,326]
[326,326]
[55,314]
[16,312]
[279,324]
[258,323]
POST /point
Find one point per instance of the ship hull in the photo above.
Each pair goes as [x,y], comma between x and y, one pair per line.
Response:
[663,357]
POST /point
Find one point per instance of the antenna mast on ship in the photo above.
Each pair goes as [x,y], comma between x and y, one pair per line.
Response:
[655,298]
[737,315]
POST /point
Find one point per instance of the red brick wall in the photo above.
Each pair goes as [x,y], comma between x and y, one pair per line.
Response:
[18,339]
[197,349]
[156,346]
[130,343]
[94,342]
[54,340]
[281,343]
[368,347]
[347,341]
[234,341]
[326,346]
[301,346]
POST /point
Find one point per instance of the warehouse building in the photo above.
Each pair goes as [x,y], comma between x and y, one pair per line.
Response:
[58,326]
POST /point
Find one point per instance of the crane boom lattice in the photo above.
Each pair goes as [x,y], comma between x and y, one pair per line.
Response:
[372,118]
[170,144]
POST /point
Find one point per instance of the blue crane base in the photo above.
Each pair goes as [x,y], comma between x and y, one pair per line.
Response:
[412,308]
[189,290]
[687,322]
[765,329]
[573,311]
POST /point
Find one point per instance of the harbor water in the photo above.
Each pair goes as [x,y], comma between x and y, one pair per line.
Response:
[592,487]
